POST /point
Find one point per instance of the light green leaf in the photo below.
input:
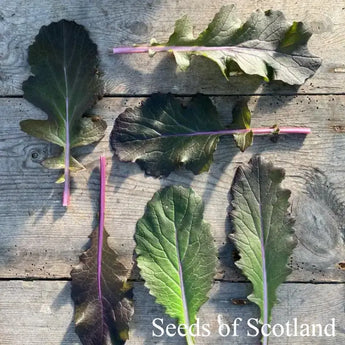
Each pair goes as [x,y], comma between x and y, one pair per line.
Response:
[266,45]
[241,116]
[263,231]
[176,254]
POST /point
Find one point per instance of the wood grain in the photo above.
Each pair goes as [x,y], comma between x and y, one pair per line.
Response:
[49,318]
[40,239]
[128,22]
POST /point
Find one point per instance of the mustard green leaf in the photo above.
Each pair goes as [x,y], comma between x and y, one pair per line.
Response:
[176,253]
[64,84]
[241,118]
[266,45]
[263,232]
[59,163]
[162,135]
[102,311]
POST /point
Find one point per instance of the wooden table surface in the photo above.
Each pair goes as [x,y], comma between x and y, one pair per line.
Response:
[40,240]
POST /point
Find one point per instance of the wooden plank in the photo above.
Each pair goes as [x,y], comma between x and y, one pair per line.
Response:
[39,238]
[126,22]
[49,318]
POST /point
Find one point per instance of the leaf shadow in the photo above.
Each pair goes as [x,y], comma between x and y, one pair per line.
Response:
[62,299]
[70,337]
[228,301]
[202,76]
[121,171]
[227,253]
[93,187]
[40,151]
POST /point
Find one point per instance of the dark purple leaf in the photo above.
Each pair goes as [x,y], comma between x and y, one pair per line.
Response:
[103,306]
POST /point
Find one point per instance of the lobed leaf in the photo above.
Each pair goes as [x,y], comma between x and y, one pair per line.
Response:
[65,84]
[265,45]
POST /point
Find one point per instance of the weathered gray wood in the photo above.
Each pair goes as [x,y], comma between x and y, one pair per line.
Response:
[126,22]
[49,318]
[39,238]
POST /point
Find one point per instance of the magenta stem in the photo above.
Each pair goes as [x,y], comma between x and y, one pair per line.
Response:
[256,131]
[66,190]
[157,49]
[101,226]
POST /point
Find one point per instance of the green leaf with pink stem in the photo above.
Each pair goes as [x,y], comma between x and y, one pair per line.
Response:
[64,84]
[176,254]
[266,45]
[163,135]
[263,231]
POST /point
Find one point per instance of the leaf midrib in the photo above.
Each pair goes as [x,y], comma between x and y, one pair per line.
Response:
[240,48]
[181,277]
[263,254]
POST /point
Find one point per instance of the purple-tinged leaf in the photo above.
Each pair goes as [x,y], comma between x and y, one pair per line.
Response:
[64,84]
[102,164]
[102,297]
[263,232]
[266,45]
[163,135]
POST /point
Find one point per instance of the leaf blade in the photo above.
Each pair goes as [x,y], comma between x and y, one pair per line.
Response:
[174,242]
[101,321]
[101,294]
[263,232]
[266,45]
[64,85]
[161,135]
[241,118]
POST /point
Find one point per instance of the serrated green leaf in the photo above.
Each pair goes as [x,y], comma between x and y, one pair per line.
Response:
[263,232]
[101,320]
[176,254]
[266,45]
[162,134]
[65,84]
